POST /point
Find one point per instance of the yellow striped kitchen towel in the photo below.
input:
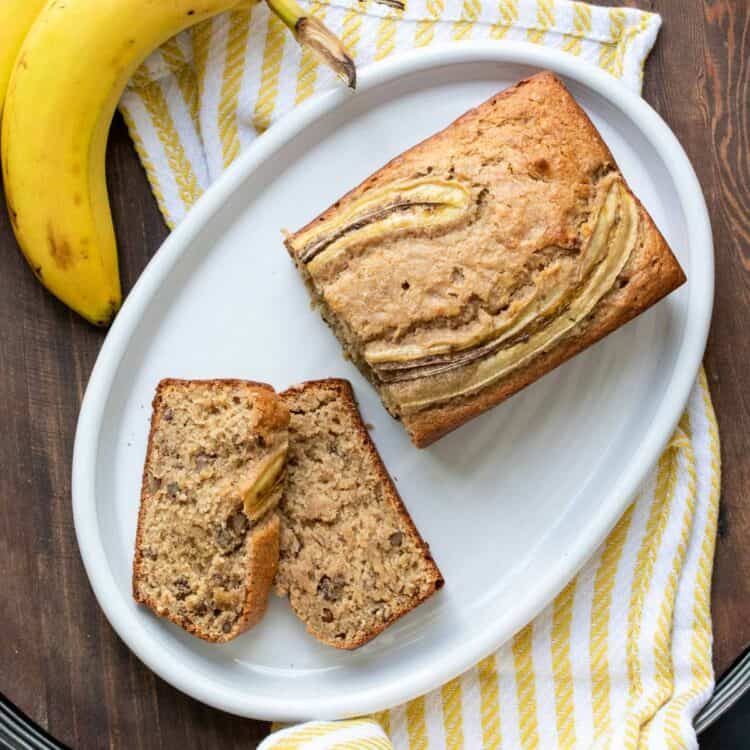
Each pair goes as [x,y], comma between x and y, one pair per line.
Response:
[622,658]
[209,92]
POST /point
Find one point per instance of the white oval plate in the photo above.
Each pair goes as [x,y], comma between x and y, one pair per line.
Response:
[512,503]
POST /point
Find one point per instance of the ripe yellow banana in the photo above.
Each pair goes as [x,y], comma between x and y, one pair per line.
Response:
[68,77]
[16,17]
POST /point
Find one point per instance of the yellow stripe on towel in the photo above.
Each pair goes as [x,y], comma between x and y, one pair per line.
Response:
[604,584]
[234,67]
[148,165]
[425,31]
[184,74]
[489,690]
[416,725]
[644,568]
[573,41]
[562,670]
[155,102]
[452,714]
[608,50]
[526,688]
[385,41]
[545,18]
[508,11]
[469,14]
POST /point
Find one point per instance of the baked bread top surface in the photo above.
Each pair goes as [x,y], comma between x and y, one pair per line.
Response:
[532,168]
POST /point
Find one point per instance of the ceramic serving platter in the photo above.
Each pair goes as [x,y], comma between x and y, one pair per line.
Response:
[512,504]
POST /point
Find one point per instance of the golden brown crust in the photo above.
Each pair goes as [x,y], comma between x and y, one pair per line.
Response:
[345,393]
[262,541]
[651,272]
[547,84]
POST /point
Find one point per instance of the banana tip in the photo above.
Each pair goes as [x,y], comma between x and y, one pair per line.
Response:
[105,319]
[314,35]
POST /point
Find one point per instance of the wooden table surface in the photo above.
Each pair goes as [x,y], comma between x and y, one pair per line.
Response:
[60,661]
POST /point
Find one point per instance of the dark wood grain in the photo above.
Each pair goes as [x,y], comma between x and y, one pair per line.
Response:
[726,170]
[59,659]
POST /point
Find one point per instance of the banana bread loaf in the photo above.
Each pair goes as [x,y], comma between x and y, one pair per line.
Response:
[482,258]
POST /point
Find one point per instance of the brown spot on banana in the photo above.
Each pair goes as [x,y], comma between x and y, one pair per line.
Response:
[11,211]
[112,308]
[59,249]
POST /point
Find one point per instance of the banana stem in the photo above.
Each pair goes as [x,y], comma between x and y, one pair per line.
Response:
[313,34]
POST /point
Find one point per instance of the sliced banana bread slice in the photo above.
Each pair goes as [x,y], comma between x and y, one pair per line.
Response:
[207,545]
[352,560]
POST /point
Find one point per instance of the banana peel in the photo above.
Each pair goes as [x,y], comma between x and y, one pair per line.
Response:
[16,17]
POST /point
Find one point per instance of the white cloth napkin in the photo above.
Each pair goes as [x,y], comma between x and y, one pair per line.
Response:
[622,658]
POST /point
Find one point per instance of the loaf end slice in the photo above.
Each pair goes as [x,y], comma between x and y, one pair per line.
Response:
[352,562]
[207,544]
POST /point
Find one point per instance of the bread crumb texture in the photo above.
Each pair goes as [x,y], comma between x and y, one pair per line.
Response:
[197,553]
[351,559]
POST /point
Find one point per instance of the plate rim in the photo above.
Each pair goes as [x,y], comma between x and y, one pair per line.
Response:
[456,661]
